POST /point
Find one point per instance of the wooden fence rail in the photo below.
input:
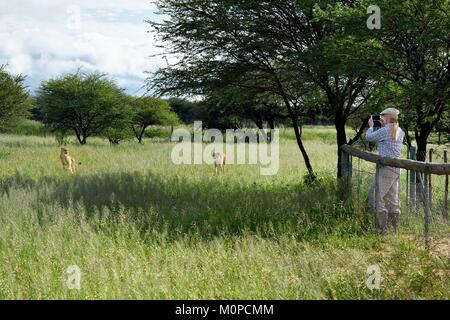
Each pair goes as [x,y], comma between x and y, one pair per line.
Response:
[417,166]
[421,181]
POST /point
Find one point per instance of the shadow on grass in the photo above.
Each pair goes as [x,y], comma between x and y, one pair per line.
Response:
[23,182]
[208,208]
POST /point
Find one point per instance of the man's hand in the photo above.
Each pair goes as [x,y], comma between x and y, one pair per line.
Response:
[370,123]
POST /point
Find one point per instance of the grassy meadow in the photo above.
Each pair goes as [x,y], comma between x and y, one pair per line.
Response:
[140,227]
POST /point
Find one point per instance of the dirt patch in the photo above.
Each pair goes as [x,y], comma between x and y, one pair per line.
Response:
[440,247]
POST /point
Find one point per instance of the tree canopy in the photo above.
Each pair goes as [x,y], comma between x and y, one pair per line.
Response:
[147,111]
[86,104]
[414,57]
[312,54]
[14,98]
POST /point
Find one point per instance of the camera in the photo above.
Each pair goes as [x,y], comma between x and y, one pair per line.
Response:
[376,120]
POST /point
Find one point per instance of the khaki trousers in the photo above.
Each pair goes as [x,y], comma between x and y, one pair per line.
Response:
[386,205]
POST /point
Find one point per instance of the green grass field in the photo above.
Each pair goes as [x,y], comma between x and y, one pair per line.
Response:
[140,227]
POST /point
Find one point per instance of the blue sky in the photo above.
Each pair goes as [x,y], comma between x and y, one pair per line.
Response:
[47,38]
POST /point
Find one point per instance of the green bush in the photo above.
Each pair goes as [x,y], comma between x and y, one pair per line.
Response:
[28,128]
[158,132]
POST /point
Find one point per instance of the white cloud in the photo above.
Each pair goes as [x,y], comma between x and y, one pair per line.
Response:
[20,64]
[44,39]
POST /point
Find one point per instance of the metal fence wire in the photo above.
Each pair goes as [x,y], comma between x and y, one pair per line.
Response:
[423,190]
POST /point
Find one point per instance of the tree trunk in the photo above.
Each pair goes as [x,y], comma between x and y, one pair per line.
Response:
[341,139]
[407,137]
[272,128]
[79,138]
[84,136]
[114,141]
[422,139]
[259,125]
[421,153]
[77,134]
[336,102]
[141,134]
[298,135]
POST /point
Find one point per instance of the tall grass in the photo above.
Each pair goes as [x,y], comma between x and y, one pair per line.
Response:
[141,227]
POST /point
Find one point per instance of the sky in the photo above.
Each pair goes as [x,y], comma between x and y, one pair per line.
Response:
[44,39]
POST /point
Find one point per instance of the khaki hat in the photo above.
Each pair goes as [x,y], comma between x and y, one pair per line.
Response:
[391,112]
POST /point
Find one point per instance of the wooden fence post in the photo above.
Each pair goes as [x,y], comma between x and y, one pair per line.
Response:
[358,179]
[408,207]
[343,163]
[346,168]
[445,210]
[427,212]
[377,190]
[412,181]
[350,172]
[430,194]
[343,181]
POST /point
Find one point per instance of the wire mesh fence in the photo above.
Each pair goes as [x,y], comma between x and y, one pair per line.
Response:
[423,196]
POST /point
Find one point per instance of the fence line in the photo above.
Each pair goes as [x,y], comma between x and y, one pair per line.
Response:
[423,167]
[419,186]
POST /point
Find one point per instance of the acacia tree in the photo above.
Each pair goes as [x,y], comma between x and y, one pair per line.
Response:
[327,43]
[219,45]
[147,111]
[119,128]
[14,98]
[415,57]
[408,59]
[283,47]
[86,104]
